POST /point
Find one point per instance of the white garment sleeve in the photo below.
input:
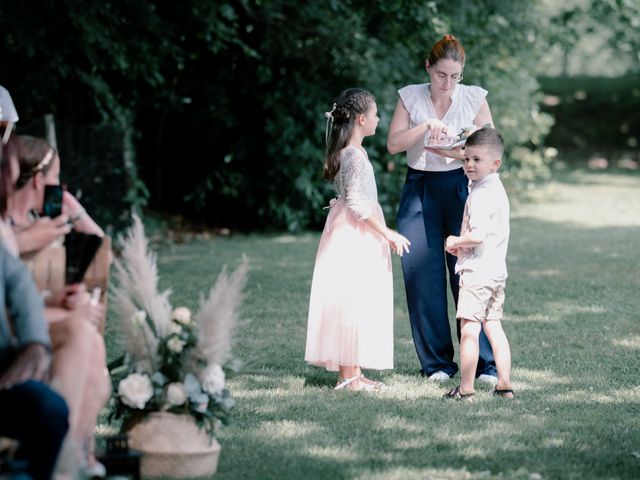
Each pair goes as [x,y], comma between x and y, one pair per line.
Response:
[353,168]
[409,96]
[475,96]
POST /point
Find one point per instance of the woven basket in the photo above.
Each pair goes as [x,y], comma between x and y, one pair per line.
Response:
[174,446]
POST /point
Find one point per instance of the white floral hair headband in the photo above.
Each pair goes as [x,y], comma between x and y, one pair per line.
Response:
[329,116]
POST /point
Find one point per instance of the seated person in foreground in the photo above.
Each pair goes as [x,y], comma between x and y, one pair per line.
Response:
[79,361]
[30,411]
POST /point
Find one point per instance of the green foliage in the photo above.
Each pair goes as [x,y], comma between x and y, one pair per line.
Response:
[310,53]
[598,37]
[244,147]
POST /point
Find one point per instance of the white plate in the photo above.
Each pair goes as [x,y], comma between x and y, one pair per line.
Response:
[450,146]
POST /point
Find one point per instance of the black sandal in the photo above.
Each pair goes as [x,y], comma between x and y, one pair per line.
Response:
[455,393]
[503,393]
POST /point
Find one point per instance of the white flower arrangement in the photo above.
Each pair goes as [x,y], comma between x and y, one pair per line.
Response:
[135,390]
[213,379]
[176,394]
[173,360]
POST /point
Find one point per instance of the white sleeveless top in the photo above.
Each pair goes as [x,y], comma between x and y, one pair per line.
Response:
[466,102]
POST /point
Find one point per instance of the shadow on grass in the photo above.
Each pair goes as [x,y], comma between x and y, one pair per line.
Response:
[560,432]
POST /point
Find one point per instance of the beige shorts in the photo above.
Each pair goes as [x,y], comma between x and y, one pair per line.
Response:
[480,300]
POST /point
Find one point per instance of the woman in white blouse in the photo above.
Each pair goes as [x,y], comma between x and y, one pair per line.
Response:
[432,201]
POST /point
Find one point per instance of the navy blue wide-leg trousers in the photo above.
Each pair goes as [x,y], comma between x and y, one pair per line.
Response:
[431,208]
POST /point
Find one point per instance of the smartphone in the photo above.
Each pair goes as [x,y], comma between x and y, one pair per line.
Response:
[52,206]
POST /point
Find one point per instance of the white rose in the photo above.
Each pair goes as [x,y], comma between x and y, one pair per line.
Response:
[135,390]
[175,328]
[176,394]
[213,379]
[139,318]
[175,344]
[182,315]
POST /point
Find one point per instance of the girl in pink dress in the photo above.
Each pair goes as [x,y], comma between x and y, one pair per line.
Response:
[350,323]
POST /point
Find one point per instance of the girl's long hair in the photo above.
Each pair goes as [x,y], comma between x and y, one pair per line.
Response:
[349,104]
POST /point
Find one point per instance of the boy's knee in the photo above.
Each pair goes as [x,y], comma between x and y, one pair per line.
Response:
[492,326]
[470,328]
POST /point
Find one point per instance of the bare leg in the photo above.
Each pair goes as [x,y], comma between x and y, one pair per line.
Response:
[96,394]
[469,352]
[69,367]
[501,352]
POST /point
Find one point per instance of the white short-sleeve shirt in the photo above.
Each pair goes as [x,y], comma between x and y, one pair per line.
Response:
[466,101]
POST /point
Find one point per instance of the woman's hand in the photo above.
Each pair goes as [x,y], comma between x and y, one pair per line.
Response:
[398,243]
[436,129]
[81,301]
[41,233]
[47,230]
[58,298]
[71,296]
[455,153]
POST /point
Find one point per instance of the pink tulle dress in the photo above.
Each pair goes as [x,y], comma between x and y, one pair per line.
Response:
[351,303]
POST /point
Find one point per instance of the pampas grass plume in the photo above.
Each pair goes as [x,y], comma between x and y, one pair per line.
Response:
[219,314]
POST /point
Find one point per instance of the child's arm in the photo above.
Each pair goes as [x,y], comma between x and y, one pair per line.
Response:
[399,243]
[453,243]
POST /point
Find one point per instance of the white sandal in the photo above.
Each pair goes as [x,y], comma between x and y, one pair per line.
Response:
[343,382]
[371,384]
[362,386]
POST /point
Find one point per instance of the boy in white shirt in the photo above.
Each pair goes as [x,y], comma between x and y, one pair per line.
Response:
[481,249]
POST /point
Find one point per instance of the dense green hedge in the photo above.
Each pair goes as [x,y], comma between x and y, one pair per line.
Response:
[243,146]
[306,55]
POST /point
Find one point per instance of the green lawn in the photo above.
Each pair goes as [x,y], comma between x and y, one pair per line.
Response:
[571,316]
